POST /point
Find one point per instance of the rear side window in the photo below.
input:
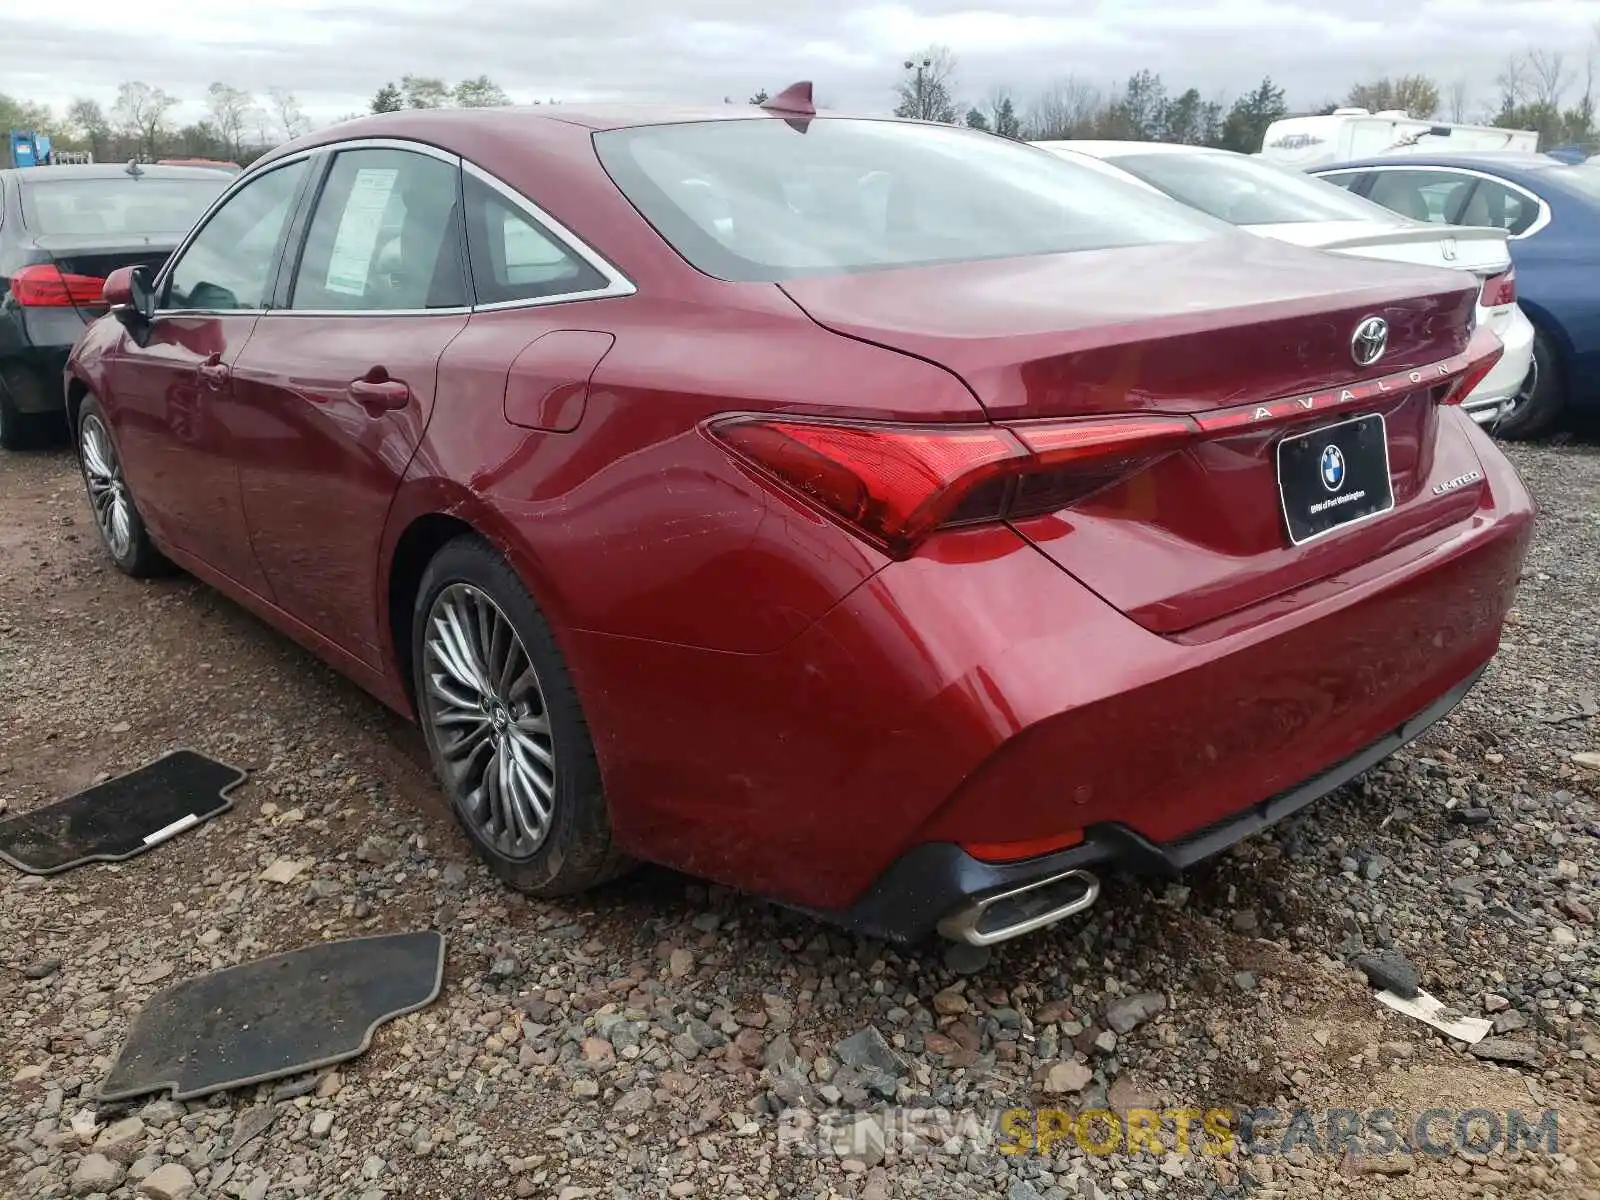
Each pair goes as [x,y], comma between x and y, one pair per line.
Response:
[767,199]
[1438,197]
[1342,179]
[514,257]
[1498,207]
[384,237]
[228,264]
[129,204]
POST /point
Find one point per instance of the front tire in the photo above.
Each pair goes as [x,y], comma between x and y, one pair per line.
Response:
[505,732]
[116,516]
[1540,403]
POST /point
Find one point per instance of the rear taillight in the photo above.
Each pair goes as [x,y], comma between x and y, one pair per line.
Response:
[894,484]
[1484,351]
[1500,290]
[46,286]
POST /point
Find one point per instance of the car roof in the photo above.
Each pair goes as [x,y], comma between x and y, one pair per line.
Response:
[1486,160]
[1106,149]
[532,116]
[27,175]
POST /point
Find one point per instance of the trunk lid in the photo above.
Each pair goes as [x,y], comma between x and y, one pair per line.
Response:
[1169,328]
[1481,251]
[98,255]
[1200,534]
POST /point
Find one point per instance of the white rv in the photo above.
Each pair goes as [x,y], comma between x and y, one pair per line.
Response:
[1350,133]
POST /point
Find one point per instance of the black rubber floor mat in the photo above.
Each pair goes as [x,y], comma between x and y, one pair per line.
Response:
[277,1016]
[121,817]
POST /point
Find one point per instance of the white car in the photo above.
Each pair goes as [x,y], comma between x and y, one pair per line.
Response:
[1278,203]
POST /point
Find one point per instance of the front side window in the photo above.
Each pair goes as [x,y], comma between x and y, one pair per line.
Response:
[767,200]
[229,263]
[514,257]
[384,236]
[1438,197]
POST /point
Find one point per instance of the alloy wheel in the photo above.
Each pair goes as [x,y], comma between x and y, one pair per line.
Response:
[108,493]
[487,716]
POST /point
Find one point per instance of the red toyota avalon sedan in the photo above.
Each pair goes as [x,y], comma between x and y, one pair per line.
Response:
[887,518]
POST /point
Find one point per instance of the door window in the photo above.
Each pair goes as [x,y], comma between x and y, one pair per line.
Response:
[1437,197]
[384,236]
[229,264]
[1498,207]
[514,257]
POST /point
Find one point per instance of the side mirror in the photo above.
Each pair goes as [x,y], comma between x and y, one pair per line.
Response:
[128,293]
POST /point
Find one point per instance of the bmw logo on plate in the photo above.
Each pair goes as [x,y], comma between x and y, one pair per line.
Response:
[1332,468]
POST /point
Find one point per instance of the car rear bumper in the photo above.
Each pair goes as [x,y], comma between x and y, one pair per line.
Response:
[935,881]
[34,345]
[1486,402]
[978,696]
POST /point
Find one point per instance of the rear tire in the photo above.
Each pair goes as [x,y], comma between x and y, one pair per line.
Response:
[1540,403]
[506,735]
[116,513]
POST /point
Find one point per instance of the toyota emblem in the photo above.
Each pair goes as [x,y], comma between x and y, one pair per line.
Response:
[1369,341]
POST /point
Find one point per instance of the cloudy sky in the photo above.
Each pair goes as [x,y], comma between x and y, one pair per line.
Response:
[334,53]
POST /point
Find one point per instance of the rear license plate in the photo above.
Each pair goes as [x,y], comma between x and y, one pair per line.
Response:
[1334,476]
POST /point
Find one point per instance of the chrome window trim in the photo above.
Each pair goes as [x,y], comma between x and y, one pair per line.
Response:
[426,148]
[334,149]
[1539,222]
[457,310]
[208,312]
[158,285]
[617,284]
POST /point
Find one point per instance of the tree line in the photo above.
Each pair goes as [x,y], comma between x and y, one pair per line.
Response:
[1537,89]
[1142,109]
[1547,91]
[239,125]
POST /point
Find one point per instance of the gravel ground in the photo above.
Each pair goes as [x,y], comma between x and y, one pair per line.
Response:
[665,1038]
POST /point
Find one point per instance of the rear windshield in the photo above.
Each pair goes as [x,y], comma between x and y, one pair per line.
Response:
[769,200]
[127,204]
[1247,191]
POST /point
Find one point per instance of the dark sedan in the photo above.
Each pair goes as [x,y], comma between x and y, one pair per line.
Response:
[1551,210]
[62,231]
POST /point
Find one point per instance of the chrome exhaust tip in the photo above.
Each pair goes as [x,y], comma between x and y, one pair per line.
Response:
[1009,914]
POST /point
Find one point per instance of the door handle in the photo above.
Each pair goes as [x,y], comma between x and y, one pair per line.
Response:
[213,374]
[382,395]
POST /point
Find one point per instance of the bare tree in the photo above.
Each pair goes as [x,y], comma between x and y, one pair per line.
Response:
[927,89]
[1000,109]
[1457,101]
[1068,108]
[287,109]
[1512,82]
[230,110]
[1547,76]
[141,112]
